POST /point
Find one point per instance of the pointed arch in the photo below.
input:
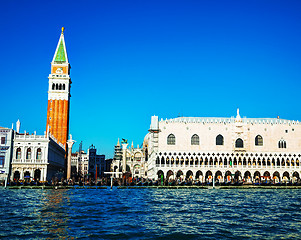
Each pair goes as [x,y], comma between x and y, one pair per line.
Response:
[198,174]
[179,174]
[171,139]
[162,161]
[189,174]
[196,162]
[157,160]
[258,140]
[169,174]
[219,140]
[239,143]
[282,144]
[195,140]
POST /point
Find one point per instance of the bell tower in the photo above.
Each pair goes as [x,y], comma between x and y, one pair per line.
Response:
[59,93]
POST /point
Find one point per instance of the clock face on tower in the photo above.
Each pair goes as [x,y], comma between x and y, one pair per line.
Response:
[59,70]
[58,94]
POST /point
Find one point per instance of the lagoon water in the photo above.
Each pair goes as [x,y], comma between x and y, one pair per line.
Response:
[150,214]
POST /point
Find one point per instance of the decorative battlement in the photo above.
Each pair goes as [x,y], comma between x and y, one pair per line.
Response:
[244,120]
[38,137]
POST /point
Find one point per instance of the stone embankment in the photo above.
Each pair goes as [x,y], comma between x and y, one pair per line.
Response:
[156,187]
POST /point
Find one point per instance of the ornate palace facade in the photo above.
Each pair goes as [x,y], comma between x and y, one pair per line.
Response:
[224,148]
[133,158]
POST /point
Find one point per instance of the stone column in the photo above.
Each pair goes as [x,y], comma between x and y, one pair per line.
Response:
[124,148]
[70,143]
[22,174]
[45,174]
[42,174]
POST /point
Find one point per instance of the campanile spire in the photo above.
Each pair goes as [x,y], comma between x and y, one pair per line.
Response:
[59,93]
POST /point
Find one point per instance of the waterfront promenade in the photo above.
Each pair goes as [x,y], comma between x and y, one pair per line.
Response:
[161,187]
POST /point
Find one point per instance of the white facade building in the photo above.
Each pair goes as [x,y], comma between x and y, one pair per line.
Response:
[133,158]
[80,163]
[6,145]
[224,148]
[37,157]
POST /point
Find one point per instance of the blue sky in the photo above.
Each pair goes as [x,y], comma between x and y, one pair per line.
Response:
[134,59]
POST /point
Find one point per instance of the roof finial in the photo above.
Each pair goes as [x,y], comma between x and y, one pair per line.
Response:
[63,30]
[238,118]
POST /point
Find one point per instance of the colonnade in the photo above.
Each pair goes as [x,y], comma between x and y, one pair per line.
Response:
[244,164]
[28,172]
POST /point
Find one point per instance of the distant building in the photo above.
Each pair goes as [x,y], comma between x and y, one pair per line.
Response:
[96,163]
[74,165]
[224,148]
[108,164]
[84,164]
[37,157]
[80,164]
[6,151]
[134,158]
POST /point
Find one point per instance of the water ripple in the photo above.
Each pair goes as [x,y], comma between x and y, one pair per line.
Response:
[150,214]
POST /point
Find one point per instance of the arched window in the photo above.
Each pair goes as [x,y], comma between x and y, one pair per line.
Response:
[57,86]
[219,140]
[171,139]
[53,86]
[18,153]
[28,153]
[39,154]
[195,140]
[60,87]
[282,144]
[258,140]
[64,86]
[239,143]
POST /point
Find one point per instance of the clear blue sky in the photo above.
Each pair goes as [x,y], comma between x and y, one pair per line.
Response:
[134,59]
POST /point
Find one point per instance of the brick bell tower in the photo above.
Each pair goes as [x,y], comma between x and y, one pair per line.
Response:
[59,94]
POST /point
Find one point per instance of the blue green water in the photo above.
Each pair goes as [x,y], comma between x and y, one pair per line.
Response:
[150,214]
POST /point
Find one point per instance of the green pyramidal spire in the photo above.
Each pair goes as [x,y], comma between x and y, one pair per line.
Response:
[60,55]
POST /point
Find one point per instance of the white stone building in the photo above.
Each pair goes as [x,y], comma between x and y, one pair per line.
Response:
[80,163]
[224,148]
[37,157]
[6,145]
[133,158]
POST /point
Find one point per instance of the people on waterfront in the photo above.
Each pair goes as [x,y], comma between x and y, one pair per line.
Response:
[177,181]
